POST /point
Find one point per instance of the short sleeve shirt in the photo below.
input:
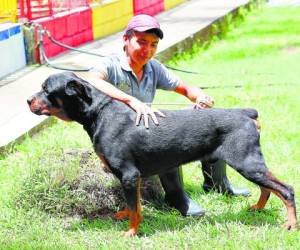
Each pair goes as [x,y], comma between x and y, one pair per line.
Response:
[117,71]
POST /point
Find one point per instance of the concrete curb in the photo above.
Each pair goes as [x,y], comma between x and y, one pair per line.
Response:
[203,36]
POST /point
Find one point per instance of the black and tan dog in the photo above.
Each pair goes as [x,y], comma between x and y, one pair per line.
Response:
[132,152]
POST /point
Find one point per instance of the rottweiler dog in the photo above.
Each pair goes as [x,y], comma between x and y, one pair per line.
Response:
[133,152]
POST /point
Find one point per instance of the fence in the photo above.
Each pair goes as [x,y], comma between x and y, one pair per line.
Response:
[150,7]
[34,9]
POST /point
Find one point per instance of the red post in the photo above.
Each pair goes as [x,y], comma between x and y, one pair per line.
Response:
[50,7]
[29,13]
[21,6]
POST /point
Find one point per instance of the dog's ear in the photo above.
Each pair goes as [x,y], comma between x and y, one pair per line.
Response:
[80,89]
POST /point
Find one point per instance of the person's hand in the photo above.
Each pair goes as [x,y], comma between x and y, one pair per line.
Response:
[204,101]
[144,110]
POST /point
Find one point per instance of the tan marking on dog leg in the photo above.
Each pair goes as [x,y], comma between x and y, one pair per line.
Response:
[264,196]
[135,217]
[290,206]
[106,166]
[123,214]
[291,223]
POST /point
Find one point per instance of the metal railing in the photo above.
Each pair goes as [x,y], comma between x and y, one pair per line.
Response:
[34,9]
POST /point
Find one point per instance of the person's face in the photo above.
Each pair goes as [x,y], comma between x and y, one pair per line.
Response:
[141,47]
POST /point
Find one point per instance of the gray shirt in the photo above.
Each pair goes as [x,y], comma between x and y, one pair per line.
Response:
[116,71]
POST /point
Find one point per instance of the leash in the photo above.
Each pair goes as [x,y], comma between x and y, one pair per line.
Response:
[42,31]
[43,56]
[169,104]
[237,86]
[100,55]
[183,70]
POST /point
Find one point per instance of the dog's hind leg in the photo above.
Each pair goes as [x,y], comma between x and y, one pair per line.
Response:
[286,194]
[268,183]
[255,170]
[241,151]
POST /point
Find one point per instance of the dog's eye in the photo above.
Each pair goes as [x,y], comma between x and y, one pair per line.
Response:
[53,101]
[44,88]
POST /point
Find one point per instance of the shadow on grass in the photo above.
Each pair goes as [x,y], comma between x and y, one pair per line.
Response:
[246,217]
[158,217]
[167,219]
[243,216]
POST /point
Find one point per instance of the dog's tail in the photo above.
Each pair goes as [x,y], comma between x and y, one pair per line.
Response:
[252,113]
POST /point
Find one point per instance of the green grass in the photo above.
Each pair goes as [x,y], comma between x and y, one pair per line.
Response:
[261,55]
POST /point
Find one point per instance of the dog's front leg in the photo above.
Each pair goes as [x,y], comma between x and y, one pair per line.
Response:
[131,182]
[135,216]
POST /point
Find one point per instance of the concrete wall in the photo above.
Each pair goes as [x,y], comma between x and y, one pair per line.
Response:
[12,48]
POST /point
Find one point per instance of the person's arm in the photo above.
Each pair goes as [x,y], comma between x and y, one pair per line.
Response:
[169,81]
[142,109]
[195,94]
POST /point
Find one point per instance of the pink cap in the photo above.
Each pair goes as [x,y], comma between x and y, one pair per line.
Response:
[143,23]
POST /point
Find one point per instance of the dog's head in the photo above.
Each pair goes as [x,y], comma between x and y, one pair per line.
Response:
[63,95]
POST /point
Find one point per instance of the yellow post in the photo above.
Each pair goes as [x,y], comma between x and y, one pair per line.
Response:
[172,3]
[110,16]
[8,11]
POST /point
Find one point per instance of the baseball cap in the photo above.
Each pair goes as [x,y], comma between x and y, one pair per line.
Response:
[143,23]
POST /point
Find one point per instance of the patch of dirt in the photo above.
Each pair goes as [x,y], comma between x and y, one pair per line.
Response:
[102,190]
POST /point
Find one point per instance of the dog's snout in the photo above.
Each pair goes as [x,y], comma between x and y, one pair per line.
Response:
[29,100]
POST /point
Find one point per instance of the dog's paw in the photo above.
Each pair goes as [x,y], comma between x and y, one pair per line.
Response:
[255,208]
[130,233]
[290,225]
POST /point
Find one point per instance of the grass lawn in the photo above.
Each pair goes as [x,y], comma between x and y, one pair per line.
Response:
[255,65]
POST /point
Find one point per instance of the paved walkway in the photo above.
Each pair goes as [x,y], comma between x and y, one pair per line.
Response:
[178,24]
